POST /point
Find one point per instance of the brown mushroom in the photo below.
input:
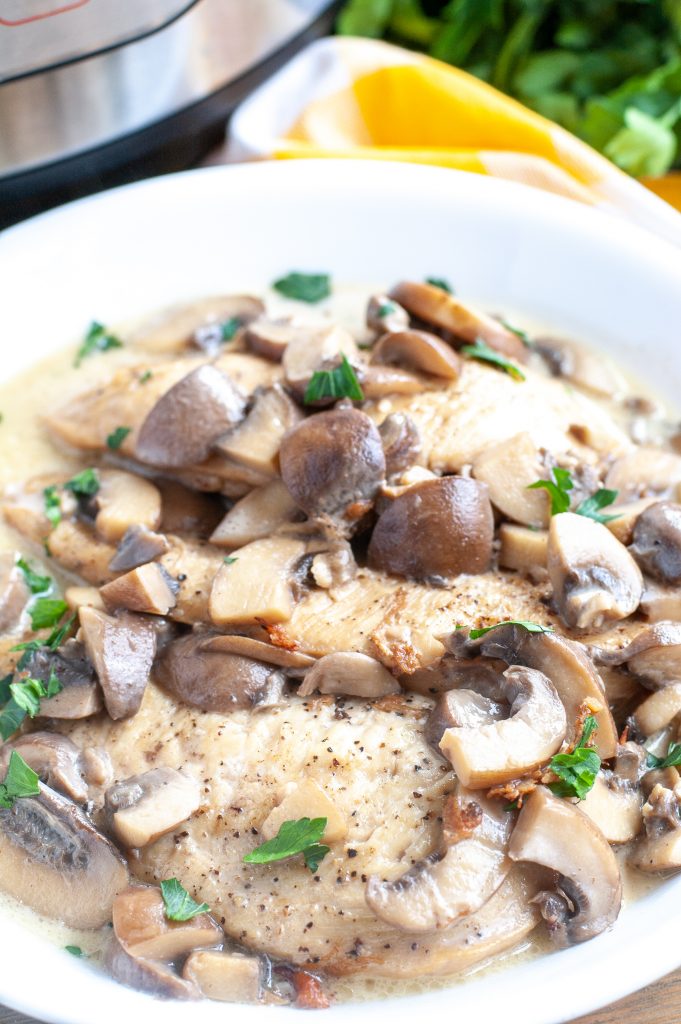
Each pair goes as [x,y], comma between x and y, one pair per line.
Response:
[331,461]
[146,806]
[385,381]
[314,348]
[384,314]
[14,593]
[53,757]
[197,323]
[657,541]
[228,643]
[124,500]
[255,442]
[626,515]
[185,510]
[147,589]
[225,977]
[508,468]
[186,421]
[143,929]
[594,578]
[349,674]
[417,350]
[137,546]
[401,442]
[435,529]
[80,696]
[158,979]
[122,651]
[269,337]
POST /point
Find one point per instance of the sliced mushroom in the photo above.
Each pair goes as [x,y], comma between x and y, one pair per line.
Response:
[146,975]
[578,364]
[417,350]
[258,651]
[614,808]
[384,314]
[523,549]
[305,799]
[435,529]
[197,323]
[657,541]
[255,442]
[53,757]
[349,674]
[488,754]
[125,500]
[461,708]
[555,834]
[258,514]
[311,350]
[137,546]
[77,596]
[385,381]
[659,603]
[594,578]
[401,442]
[660,848]
[186,421]
[185,510]
[269,337]
[96,767]
[658,710]
[508,468]
[54,860]
[257,584]
[226,977]
[80,695]
[653,656]
[332,461]
[122,652]
[623,526]
[333,568]
[644,471]
[437,307]
[441,888]
[215,681]
[146,806]
[14,593]
[148,589]
[143,930]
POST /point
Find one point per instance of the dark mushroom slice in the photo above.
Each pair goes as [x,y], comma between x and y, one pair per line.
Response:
[224,976]
[215,681]
[146,806]
[255,442]
[149,589]
[555,834]
[384,314]
[14,593]
[228,643]
[125,500]
[401,442]
[657,541]
[349,674]
[81,695]
[137,546]
[54,758]
[158,979]
[435,529]
[653,656]
[450,672]
[436,307]
[269,337]
[187,511]
[54,860]
[143,930]
[197,323]
[186,421]
[417,350]
[332,461]
[122,651]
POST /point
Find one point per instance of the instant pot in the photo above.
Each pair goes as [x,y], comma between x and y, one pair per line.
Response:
[95,93]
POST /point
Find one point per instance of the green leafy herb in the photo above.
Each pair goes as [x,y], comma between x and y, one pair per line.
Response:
[36,584]
[83,484]
[293,837]
[228,560]
[672,758]
[117,437]
[577,771]
[20,781]
[590,507]
[178,904]
[147,375]
[440,282]
[304,287]
[484,354]
[97,339]
[52,505]
[531,627]
[519,333]
[340,382]
[229,328]
[557,488]
[387,309]
[28,692]
[76,951]
[46,612]
[11,717]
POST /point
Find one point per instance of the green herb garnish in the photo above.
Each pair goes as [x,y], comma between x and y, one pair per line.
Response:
[28,693]
[590,507]
[20,781]
[228,560]
[386,309]
[577,771]
[76,951]
[11,718]
[304,287]
[97,339]
[340,382]
[46,612]
[531,627]
[52,505]
[440,282]
[51,643]
[36,584]
[229,328]
[672,758]
[293,837]
[178,904]
[484,354]
[83,484]
[147,375]
[557,487]
[519,333]
[117,437]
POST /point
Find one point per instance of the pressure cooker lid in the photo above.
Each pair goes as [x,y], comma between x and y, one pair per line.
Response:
[36,35]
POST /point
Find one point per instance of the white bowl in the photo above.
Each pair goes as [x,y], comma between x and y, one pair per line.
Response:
[123,253]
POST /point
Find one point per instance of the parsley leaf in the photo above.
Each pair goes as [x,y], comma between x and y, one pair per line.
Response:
[76,951]
[229,560]
[672,759]
[83,484]
[52,505]
[519,333]
[440,282]
[117,437]
[97,339]
[147,375]
[340,382]
[384,310]
[228,328]
[20,781]
[558,488]
[304,287]
[46,612]
[36,584]
[52,642]
[293,837]
[531,627]
[27,693]
[590,507]
[178,904]
[11,718]
[576,771]
[484,354]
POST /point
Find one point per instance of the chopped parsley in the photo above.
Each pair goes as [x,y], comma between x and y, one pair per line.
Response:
[28,693]
[36,584]
[557,487]
[53,641]
[293,837]
[577,771]
[384,310]
[304,287]
[531,627]
[52,505]
[11,715]
[229,560]
[46,612]
[178,904]
[76,951]
[519,333]
[117,437]
[591,506]
[97,339]
[228,328]
[484,354]
[340,382]
[83,484]
[147,375]
[440,282]
[20,781]
[672,758]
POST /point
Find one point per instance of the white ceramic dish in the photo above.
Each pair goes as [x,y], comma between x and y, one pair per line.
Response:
[125,252]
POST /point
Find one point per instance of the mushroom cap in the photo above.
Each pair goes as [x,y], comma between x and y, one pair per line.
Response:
[137,546]
[384,314]
[594,578]
[653,656]
[81,695]
[657,541]
[417,350]
[152,976]
[181,428]
[146,806]
[554,833]
[53,757]
[401,442]
[313,348]
[143,930]
[269,336]
[350,674]
[332,460]
[122,651]
[436,528]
